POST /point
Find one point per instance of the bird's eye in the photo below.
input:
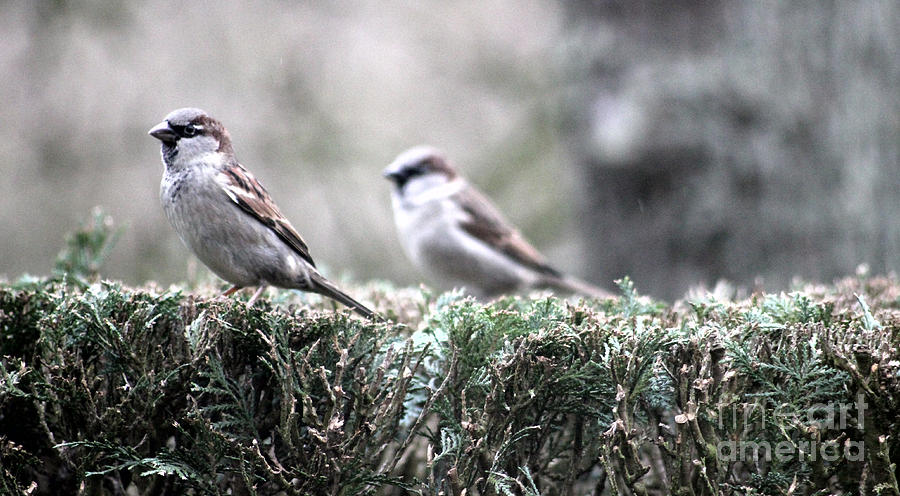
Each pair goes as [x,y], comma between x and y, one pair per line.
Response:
[417,170]
[190,131]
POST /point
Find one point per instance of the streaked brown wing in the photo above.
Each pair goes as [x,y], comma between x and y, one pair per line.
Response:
[488,225]
[247,193]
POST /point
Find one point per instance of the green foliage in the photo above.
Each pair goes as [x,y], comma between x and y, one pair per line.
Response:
[88,247]
[106,389]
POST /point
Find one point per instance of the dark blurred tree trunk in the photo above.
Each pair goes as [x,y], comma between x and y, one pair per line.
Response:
[752,141]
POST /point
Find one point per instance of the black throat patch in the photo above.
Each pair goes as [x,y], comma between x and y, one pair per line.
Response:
[169,152]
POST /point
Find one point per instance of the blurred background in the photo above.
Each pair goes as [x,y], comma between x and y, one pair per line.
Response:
[750,141]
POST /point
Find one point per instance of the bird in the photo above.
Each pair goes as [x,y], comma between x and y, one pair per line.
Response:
[451,231]
[227,218]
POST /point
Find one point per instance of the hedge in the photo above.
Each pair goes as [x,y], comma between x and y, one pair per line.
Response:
[108,389]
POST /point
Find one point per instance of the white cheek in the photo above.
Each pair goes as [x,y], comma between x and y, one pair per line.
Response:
[418,186]
[198,148]
[430,188]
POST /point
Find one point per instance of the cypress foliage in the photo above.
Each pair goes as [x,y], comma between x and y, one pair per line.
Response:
[107,389]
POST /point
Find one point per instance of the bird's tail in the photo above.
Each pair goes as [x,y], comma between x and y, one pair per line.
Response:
[325,287]
[570,284]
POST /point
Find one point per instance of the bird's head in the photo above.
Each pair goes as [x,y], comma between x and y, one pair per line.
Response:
[189,134]
[419,169]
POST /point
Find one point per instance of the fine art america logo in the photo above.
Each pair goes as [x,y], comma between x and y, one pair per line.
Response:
[817,420]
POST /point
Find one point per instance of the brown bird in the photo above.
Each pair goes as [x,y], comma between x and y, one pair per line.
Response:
[453,232]
[226,217]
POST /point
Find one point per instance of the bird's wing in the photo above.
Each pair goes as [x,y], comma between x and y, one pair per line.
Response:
[484,222]
[244,190]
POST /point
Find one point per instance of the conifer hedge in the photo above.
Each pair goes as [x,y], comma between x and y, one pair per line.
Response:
[113,390]
[107,389]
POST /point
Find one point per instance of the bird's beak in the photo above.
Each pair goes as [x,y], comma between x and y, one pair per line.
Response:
[163,132]
[392,172]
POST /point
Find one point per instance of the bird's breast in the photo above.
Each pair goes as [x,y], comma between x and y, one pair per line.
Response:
[236,246]
[426,227]
[171,187]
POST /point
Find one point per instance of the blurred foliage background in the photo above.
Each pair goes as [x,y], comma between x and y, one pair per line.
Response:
[753,141]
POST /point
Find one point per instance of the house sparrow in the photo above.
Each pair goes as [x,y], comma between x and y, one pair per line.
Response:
[225,216]
[452,231]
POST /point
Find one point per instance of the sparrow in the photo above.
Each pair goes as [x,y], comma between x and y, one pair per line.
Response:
[226,217]
[453,232]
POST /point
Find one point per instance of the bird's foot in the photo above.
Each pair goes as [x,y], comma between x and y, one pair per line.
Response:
[253,298]
[230,291]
